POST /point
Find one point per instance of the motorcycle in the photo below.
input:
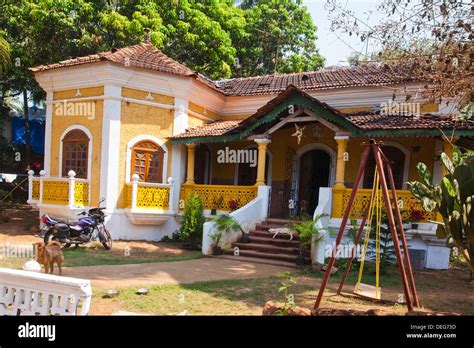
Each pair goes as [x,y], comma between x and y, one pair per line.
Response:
[86,229]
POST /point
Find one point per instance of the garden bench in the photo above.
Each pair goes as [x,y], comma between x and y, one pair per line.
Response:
[31,293]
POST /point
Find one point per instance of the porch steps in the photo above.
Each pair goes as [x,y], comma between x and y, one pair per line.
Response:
[264,255]
[263,246]
[273,241]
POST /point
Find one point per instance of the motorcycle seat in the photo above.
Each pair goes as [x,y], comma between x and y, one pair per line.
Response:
[76,227]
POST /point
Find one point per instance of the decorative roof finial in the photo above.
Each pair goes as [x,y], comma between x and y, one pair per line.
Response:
[146,38]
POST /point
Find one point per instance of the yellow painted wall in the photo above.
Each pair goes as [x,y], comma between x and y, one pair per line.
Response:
[425,153]
[85,92]
[61,122]
[203,111]
[137,119]
[195,122]
[283,139]
[142,95]
[421,150]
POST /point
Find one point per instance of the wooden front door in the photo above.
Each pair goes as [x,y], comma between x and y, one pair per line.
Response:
[314,167]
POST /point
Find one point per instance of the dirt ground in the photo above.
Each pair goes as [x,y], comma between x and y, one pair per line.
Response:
[215,286]
[19,224]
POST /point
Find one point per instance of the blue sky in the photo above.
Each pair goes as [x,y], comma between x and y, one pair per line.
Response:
[334,46]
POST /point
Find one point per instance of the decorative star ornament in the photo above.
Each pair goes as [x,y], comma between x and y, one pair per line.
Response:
[298,133]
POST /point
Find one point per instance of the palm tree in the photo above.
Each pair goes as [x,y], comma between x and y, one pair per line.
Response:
[5,57]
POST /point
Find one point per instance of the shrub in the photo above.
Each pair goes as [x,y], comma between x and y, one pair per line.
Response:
[190,231]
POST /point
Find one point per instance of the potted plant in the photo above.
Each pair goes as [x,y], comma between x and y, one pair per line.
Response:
[308,233]
[216,203]
[216,238]
[226,223]
[415,216]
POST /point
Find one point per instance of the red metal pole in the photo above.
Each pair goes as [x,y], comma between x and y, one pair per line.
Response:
[391,222]
[354,248]
[324,282]
[411,278]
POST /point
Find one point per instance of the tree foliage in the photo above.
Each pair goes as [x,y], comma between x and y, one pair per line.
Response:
[432,39]
[452,198]
[213,37]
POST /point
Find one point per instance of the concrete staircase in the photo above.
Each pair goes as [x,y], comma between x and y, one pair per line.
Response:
[262,245]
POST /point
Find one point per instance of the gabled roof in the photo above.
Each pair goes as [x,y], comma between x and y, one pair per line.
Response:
[359,124]
[146,56]
[142,55]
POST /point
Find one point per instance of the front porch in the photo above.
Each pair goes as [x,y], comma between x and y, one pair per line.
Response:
[295,157]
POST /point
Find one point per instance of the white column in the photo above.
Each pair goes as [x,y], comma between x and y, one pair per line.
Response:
[109,170]
[42,175]
[72,181]
[135,179]
[180,122]
[47,135]
[30,186]
[178,151]
[172,195]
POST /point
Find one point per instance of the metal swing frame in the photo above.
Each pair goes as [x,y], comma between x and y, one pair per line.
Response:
[406,273]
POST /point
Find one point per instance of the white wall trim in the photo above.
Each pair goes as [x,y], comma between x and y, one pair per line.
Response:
[129,156]
[332,162]
[47,136]
[110,149]
[89,150]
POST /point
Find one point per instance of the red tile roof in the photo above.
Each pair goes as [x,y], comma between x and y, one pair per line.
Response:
[147,56]
[374,121]
[359,123]
[364,75]
[210,129]
[142,55]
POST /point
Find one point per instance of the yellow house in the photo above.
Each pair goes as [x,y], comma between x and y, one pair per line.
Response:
[141,131]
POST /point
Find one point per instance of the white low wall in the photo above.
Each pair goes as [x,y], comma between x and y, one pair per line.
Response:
[30,293]
[121,227]
[324,207]
[248,216]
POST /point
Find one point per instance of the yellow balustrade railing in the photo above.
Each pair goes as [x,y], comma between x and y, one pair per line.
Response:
[56,192]
[81,193]
[150,196]
[406,202]
[35,189]
[220,197]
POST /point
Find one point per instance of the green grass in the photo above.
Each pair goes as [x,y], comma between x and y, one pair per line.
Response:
[229,297]
[96,256]
[247,296]
[223,297]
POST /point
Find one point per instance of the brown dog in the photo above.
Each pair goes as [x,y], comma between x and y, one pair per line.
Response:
[48,255]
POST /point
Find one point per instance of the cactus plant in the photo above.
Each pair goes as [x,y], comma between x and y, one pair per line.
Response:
[452,198]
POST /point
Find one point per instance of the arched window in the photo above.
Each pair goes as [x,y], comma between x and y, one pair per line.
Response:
[75,153]
[147,161]
[397,159]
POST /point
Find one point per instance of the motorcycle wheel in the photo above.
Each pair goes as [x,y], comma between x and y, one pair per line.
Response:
[107,239]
